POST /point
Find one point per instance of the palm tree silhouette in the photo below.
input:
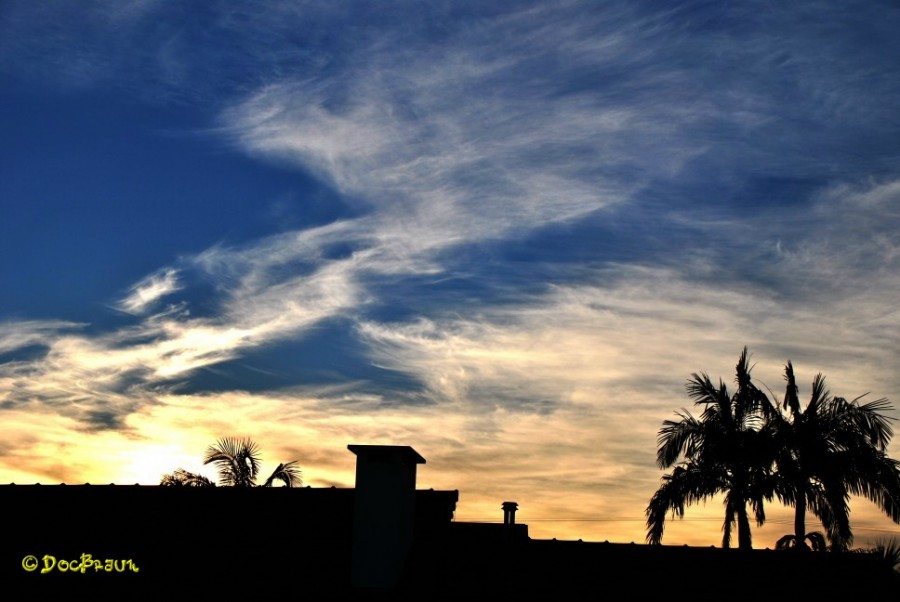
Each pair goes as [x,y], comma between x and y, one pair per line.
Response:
[238,463]
[724,452]
[816,539]
[826,452]
[754,449]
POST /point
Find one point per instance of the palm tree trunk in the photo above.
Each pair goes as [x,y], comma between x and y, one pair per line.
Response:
[800,521]
[744,539]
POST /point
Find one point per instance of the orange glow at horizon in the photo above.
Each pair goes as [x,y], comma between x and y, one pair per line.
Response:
[582,494]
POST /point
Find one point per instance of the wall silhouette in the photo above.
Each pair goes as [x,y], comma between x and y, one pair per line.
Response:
[303,543]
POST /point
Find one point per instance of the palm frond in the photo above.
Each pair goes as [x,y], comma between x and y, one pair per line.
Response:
[870,419]
[786,542]
[791,398]
[759,511]
[702,390]
[817,541]
[876,476]
[289,473]
[688,483]
[820,396]
[237,461]
[833,508]
[678,438]
[728,525]
[887,551]
[747,398]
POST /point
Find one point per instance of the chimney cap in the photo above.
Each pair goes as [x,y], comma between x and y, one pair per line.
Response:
[387,452]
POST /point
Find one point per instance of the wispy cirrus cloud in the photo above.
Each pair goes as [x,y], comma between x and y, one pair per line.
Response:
[476,140]
[15,335]
[521,120]
[148,291]
[555,215]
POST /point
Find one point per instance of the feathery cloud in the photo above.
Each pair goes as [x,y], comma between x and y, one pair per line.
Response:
[149,290]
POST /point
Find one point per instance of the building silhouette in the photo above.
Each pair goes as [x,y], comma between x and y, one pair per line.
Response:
[381,540]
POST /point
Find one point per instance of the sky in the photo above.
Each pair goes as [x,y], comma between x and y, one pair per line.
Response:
[502,233]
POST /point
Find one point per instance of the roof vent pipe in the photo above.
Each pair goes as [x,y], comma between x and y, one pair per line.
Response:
[509,513]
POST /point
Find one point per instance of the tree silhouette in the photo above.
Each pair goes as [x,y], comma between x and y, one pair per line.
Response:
[723,452]
[754,449]
[238,463]
[816,539]
[888,553]
[828,451]
[183,478]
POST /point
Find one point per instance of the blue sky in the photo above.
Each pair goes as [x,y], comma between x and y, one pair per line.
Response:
[504,234]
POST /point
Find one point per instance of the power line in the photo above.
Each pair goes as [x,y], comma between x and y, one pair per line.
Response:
[599,520]
[526,520]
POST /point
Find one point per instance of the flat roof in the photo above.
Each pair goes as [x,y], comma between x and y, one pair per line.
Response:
[402,452]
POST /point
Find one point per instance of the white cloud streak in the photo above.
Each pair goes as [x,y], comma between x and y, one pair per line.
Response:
[16,335]
[488,137]
[453,146]
[148,291]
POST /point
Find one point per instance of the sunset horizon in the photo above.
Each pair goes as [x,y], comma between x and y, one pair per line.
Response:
[505,235]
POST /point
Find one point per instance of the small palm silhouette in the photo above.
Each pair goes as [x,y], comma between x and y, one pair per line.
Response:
[238,462]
